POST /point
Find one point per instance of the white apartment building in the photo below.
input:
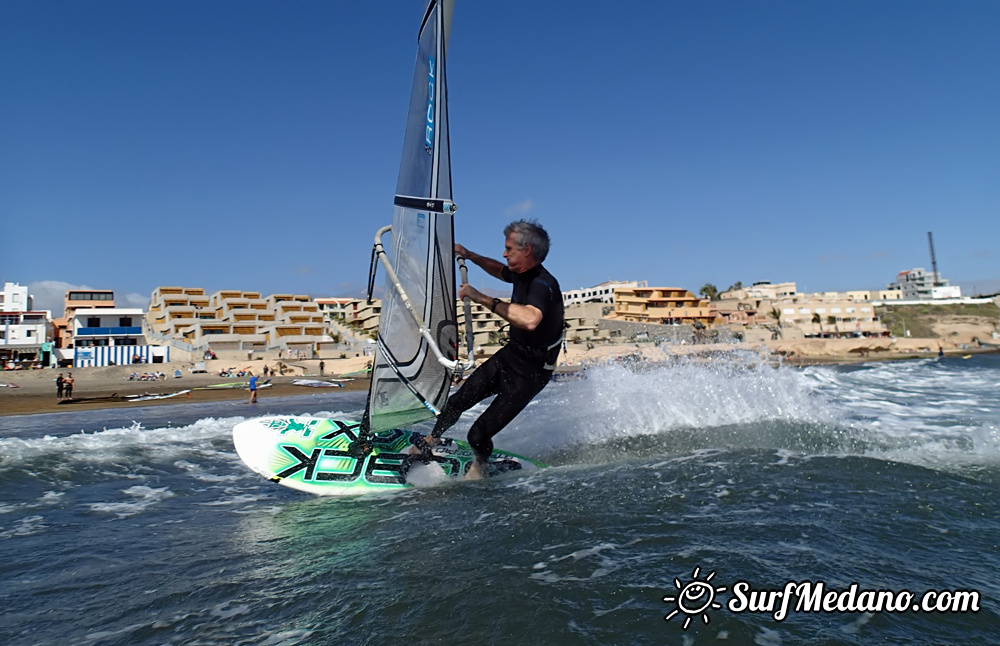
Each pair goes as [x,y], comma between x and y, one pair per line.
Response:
[603,293]
[15,298]
[25,337]
[112,336]
[25,334]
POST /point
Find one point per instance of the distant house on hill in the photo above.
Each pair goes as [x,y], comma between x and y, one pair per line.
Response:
[918,285]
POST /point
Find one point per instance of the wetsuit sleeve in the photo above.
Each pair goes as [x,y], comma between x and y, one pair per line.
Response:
[540,295]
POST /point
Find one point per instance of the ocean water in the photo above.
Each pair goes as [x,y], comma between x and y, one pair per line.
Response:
[677,497]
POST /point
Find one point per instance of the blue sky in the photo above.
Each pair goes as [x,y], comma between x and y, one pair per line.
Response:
[255,145]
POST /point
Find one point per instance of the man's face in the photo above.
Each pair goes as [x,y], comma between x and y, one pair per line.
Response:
[518,260]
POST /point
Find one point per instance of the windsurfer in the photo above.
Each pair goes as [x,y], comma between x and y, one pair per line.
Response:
[520,369]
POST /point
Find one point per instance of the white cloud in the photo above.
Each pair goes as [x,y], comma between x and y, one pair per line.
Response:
[520,208]
[50,295]
[132,300]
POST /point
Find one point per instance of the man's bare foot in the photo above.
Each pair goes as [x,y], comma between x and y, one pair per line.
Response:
[476,471]
[429,439]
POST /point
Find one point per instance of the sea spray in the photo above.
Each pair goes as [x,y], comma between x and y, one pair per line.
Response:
[687,402]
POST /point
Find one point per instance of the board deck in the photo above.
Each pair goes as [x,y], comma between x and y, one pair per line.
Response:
[311,454]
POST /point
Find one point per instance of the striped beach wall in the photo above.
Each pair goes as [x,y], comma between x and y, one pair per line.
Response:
[119,355]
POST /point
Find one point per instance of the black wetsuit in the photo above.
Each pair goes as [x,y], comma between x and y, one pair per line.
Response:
[519,370]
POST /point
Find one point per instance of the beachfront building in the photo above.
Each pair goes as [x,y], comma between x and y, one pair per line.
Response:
[815,316]
[25,339]
[111,336]
[603,293]
[662,305]
[238,320]
[918,285]
[76,299]
[25,334]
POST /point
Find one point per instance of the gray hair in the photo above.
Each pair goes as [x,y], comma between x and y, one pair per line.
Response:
[529,232]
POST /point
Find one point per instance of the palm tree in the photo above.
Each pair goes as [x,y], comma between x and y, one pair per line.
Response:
[819,320]
[709,291]
[775,313]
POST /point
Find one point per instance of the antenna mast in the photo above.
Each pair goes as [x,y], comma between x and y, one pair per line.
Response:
[930,241]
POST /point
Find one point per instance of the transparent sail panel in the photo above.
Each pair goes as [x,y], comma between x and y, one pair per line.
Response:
[407,372]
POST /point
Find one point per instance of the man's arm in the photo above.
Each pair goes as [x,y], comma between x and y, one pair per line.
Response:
[489,265]
[526,317]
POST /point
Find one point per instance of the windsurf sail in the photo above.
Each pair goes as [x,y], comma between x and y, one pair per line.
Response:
[417,344]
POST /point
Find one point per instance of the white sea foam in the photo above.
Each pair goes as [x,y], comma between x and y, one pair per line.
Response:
[143,497]
[920,412]
[614,402]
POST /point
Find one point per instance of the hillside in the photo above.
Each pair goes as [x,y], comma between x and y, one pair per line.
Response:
[954,322]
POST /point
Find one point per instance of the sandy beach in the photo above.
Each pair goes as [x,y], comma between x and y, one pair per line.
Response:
[36,390]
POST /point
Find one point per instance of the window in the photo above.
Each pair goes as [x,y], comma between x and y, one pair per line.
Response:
[125,321]
[93,321]
[29,333]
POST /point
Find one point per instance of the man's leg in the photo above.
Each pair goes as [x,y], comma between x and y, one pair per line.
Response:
[482,383]
[517,394]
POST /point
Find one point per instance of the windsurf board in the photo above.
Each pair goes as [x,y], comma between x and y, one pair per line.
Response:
[312,454]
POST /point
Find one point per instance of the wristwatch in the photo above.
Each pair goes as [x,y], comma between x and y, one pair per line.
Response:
[493,307]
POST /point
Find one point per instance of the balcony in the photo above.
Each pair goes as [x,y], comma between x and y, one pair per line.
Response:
[108,331]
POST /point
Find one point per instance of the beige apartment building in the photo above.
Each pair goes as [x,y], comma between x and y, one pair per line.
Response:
[815,315]
[338,307]
[662,305]
[486,326]
[238,320]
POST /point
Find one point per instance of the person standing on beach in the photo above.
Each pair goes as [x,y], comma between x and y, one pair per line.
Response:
[68,386]
[253,389]
[523,367]
[59,386]
[321,367]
